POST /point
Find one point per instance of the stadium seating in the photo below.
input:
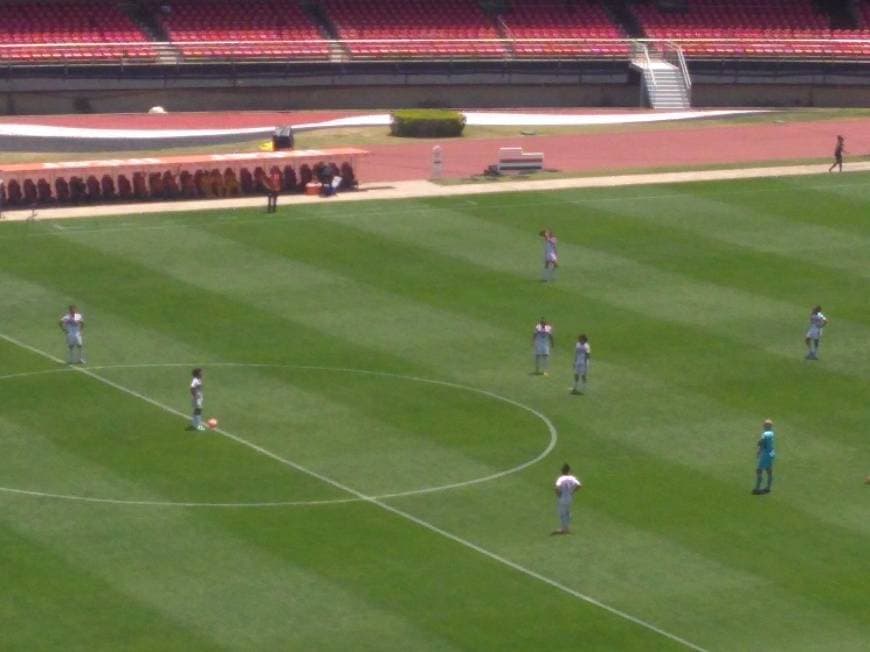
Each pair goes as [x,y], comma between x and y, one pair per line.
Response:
[397,28]
[742,28]
[555,28]
[251,29]
[862,30]
[95,30]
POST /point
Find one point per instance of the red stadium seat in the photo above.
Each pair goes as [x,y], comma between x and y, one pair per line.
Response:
[396,28]
[70,31]
[248,30]
[560,30]
[765,28]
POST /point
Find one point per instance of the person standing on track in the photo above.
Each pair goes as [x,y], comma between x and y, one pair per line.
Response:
[839,150]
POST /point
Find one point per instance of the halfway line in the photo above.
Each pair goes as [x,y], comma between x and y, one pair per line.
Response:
[374,501]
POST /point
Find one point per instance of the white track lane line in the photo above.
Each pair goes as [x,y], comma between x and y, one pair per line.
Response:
[374,501]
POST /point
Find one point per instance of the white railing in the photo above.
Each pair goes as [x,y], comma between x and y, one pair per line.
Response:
[683,67]
[640,57]
[673,54]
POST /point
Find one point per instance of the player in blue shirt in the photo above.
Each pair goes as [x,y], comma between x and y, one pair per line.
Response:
[766,455]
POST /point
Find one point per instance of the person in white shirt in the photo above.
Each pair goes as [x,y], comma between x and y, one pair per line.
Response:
[818,321]
[196,400]
[551,255]
[582,355]
[542,341]
[566,486]
[72,324]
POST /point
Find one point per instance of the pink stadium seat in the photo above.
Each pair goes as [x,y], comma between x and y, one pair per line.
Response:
[249,30]
[448,28]
[558,29]
[766,28]
[69,31]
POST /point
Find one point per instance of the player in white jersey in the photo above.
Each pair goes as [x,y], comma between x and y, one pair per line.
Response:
[582,355]
[72,324]
[196,400]
[814,335]
[542,341]
[551,255]
[566,486]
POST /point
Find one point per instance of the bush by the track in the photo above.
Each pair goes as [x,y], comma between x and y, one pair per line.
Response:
[427,123]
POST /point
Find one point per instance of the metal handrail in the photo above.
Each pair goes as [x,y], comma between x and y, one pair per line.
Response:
[683,67]
[649,66]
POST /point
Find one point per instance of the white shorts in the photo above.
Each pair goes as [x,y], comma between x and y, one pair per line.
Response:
[815,333]
[74,340]
[197,403]
[580,369]
[551,258]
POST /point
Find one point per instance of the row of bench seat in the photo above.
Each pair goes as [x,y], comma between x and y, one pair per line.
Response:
[100,30]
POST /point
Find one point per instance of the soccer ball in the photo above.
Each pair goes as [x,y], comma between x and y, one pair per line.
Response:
[212,423]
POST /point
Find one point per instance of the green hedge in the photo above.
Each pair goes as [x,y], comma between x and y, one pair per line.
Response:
[427,123]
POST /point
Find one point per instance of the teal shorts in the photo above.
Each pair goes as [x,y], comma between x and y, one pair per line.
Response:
[765,462]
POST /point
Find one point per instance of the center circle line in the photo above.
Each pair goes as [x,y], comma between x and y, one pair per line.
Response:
[553,438]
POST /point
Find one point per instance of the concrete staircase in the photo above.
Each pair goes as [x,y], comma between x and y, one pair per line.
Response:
[665,86]
[166,53]
[338,52]
[666,81]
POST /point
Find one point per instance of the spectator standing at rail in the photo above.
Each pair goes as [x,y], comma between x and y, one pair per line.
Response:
[839,150]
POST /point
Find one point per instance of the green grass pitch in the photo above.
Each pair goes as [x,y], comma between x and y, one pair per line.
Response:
[339,509]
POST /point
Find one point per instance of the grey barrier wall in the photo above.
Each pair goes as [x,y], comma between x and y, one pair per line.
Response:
[333,97]
[115,89]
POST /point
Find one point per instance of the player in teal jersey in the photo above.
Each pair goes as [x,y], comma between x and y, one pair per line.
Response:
[766,455]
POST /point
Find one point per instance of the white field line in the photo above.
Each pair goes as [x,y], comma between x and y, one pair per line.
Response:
[25,374]
[171,503]
[551,444]
[551,428]
[374,501]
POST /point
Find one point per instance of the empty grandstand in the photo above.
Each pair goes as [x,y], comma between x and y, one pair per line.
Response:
[395,28]
[612,52]
[557,29]
[36,32]
[254,29]
[41,32]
